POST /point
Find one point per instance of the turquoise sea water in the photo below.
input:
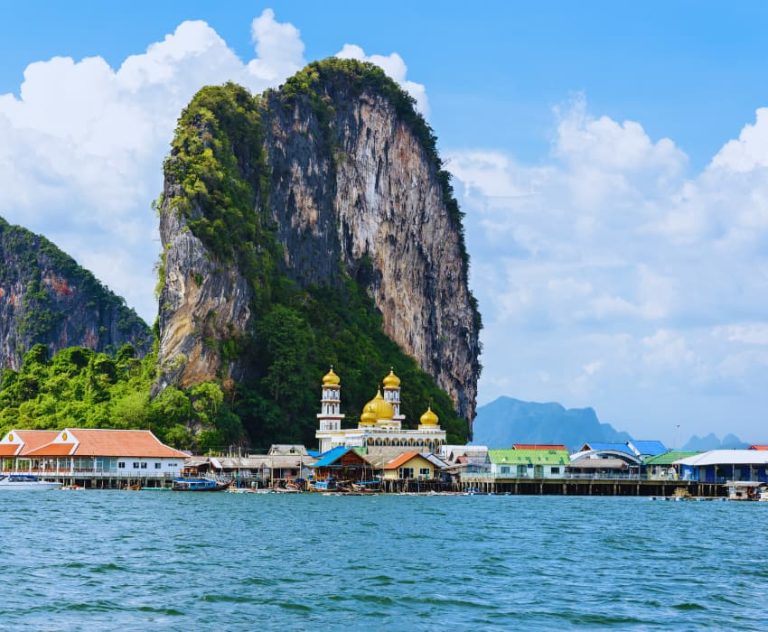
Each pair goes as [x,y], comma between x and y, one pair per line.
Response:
[175,561]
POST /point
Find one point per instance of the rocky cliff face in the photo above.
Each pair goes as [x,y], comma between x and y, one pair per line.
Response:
[351,187]
[45,297]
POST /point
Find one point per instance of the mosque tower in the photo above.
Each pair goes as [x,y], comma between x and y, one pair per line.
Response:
[392,393]
[330,405]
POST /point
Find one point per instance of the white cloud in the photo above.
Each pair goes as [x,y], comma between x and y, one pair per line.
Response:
[83,143]
[749,151]
[395,68]
[610,255]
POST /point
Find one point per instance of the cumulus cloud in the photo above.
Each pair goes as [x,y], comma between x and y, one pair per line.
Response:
[395,68]
[83,142]
[611,254]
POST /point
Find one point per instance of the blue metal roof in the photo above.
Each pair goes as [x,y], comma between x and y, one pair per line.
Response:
[648,448]
[330,457]
[315,454]
[615,447]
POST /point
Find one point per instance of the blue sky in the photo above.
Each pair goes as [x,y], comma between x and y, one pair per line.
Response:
[608,156]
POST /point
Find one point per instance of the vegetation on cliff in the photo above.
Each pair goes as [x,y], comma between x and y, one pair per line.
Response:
[46,297]
[79,387]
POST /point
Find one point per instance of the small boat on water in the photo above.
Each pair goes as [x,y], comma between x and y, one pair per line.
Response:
[26,482]
[199,485]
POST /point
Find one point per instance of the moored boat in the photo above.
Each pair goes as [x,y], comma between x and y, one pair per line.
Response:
[26,482]
[199,485]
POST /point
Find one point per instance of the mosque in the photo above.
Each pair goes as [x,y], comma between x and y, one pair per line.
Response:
[381,423]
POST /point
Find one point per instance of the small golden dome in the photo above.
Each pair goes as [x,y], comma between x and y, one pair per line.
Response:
[384,410]
[429,418]
[331,379]
[391,381]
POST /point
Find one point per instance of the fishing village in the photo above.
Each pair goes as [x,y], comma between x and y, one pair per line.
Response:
[378,455]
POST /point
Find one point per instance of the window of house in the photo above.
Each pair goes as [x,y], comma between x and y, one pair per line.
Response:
[505,469]
[158,466]
[555,470]
[143,465]
[406,472]
[136,465]
[424,471]
[121,465]
[521,470]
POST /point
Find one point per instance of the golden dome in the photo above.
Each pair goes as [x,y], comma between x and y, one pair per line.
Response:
[391,381]
[376,410]
[368,418]
[331,379]
[384,410]
[429,418]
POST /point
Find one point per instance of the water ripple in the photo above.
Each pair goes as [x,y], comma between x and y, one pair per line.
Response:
[107,560]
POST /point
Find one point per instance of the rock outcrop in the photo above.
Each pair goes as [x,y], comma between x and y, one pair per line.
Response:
[348,183]
[45,297]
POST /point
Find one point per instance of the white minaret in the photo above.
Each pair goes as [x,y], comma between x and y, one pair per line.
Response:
[392,393]
[330,404]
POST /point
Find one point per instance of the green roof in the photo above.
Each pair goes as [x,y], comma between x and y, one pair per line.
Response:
[529,457]
[668,458]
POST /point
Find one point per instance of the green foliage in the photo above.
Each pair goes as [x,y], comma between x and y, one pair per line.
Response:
[27,257]
[300,337]
[218,160]
[79,387]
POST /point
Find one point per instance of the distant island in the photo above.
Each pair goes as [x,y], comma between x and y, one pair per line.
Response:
[507,420]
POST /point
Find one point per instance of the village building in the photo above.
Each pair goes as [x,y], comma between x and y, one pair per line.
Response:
[282,464]
[538,446]
[664,466]
[89,455]
[410,466]
[380,424]
[605,460]
[343,464]
[720,466]
[763,448]
[539,464]
[646,449]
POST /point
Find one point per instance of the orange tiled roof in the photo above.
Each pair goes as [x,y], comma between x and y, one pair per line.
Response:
[52,449]
[403,458]
[759,447]
[138,443]
[8,449]
[34,439]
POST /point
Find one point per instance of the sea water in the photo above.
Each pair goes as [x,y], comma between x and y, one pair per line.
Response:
[97,560]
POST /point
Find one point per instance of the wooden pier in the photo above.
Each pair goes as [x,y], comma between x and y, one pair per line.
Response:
[591,487]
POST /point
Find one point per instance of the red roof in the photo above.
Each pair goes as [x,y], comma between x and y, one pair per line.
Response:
[122,443]
[400,460]
[8,449]
[127,443]
[53,449]
[758,447]
[33,439]
[538,446]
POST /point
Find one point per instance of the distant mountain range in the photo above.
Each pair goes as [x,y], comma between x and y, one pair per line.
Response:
[711,442]
[507,420]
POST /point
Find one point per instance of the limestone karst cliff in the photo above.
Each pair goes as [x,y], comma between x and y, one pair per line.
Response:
[324,197]
[45,297]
